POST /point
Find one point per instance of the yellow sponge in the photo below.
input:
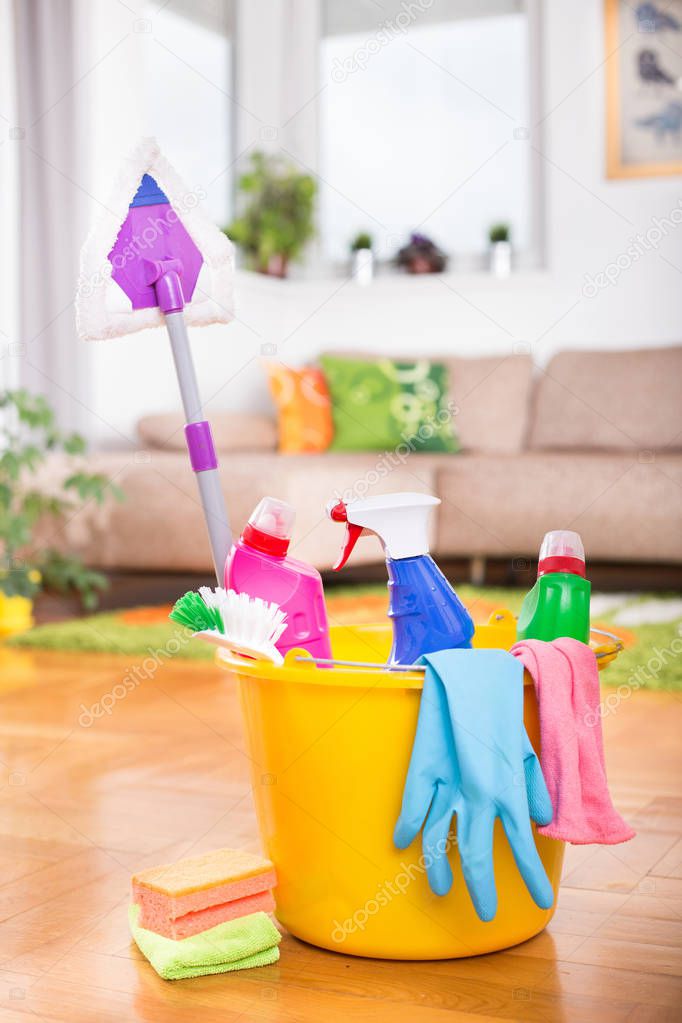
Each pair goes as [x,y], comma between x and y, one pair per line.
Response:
[183,898]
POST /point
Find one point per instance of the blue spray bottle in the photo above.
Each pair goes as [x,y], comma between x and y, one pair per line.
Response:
[426,613]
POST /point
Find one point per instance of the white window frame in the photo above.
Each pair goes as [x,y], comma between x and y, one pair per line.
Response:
[276,58]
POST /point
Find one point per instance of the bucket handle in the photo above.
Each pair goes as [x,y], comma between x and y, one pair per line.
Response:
[616,640]
[330,662]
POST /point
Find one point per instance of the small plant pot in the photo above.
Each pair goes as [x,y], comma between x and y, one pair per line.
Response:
[276,266]
[362,266]
[16,615]
[501,259]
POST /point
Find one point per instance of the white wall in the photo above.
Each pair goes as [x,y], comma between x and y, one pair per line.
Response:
[590,223]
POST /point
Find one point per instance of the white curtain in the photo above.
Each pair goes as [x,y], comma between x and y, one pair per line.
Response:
[9,210]
[74,95]
[51,200]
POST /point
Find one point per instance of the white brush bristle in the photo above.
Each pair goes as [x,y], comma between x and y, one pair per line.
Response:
[252,625]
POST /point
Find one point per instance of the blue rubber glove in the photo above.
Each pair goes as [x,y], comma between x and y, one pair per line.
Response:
[471,756]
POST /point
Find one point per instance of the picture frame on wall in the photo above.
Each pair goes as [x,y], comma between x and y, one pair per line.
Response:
[643,63]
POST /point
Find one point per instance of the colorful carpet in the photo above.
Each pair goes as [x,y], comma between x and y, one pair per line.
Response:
[650,627]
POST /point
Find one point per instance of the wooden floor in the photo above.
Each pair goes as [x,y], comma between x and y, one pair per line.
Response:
[85,802]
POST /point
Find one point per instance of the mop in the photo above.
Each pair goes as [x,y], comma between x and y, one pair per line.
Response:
[153,241]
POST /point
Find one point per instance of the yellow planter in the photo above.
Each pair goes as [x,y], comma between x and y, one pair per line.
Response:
[16,615]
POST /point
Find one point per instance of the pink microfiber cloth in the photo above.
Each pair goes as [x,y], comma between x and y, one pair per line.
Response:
[572,756]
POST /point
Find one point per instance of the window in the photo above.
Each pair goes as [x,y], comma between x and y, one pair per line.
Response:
[424,116]
[188,72]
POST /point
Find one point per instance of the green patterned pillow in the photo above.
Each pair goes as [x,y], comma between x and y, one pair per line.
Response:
[383,403]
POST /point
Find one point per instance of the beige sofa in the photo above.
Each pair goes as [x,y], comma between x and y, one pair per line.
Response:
[593,442]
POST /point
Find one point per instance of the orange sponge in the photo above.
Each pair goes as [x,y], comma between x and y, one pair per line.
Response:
[184,898]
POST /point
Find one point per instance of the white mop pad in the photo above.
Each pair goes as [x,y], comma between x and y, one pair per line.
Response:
[211,303]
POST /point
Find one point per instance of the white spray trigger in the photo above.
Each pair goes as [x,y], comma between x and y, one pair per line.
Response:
[400,521]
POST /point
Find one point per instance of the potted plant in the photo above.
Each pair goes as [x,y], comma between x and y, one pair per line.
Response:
[277,219]
[362,258]
[421,256]
[27,435]
[499,236]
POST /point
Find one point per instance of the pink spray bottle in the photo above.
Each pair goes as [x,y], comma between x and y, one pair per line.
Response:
[258,564]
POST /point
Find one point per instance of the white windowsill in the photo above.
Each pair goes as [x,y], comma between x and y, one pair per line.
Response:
[469,281]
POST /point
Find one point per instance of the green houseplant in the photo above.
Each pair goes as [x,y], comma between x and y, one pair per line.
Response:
[277,218]
[499,233]
[362,240]
[28,433]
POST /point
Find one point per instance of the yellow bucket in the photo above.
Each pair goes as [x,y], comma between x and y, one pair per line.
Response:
[329,750]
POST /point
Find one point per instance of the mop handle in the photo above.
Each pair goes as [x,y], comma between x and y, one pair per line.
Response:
[200,445]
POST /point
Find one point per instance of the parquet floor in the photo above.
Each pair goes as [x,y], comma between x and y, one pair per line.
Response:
[165,772]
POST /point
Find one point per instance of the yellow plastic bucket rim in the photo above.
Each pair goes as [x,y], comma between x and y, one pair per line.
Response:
[299,666]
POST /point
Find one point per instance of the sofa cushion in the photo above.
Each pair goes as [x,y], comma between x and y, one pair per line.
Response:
[232,431]
[384,404]
[625,506]
[623,401]
[304,411]
[492,394]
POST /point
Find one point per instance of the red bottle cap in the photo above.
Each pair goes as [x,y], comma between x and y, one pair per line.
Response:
[269,527]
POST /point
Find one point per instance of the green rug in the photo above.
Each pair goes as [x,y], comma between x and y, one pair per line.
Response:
[650,626]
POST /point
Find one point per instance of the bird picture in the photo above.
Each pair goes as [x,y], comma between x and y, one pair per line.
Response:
[667,121]
[643,88]
[650,70]
[651,19]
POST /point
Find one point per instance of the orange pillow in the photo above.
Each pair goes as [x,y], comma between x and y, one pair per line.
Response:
[304,410]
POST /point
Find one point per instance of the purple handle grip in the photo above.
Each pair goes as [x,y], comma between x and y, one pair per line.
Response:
[199,439]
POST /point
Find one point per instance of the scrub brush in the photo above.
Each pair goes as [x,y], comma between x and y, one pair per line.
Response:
[234,621]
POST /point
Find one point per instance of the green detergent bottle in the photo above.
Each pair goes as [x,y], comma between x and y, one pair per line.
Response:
[559,603]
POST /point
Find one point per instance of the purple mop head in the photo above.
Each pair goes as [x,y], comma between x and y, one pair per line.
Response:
[162,223]
[152,233]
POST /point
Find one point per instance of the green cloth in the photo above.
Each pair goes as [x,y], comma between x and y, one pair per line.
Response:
[379,404]
[235,945]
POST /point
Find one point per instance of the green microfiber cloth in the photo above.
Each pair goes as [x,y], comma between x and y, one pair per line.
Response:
[235,945]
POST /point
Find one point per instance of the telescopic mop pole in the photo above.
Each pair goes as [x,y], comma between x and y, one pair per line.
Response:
[198,435]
